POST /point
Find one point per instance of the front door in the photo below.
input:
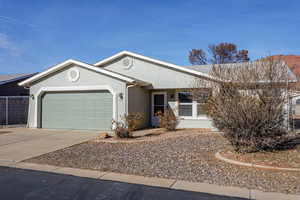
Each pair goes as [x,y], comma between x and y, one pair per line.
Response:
[159,102]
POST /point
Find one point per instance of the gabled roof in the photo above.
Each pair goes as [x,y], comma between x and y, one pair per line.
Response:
[138,81]
[201,68]
[208,68]
[79,63]
[155,61]
[8,78]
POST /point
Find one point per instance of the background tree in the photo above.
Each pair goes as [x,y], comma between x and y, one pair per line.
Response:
[218,54]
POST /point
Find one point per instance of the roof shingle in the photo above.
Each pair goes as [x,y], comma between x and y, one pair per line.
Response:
[5,78]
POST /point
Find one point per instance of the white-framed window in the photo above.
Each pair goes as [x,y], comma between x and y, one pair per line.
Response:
[189,107]
[185,104]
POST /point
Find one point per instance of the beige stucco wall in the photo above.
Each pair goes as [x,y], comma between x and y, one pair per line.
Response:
[139,102]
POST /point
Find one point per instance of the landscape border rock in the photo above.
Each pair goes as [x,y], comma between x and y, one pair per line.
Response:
[235,162]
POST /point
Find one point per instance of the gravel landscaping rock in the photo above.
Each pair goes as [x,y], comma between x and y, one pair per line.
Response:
[190,157]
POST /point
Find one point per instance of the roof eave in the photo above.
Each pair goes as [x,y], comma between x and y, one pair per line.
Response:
[57,67]
[16,79]
[152,60]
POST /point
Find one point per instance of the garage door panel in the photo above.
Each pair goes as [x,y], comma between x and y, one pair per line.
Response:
[77,110]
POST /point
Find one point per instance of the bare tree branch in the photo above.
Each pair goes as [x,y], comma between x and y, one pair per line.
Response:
[220,53]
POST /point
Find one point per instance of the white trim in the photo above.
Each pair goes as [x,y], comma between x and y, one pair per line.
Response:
[192,118]
[177,67]
[67,63]
[293,104]
[42,90]
[194,109]
[152,105]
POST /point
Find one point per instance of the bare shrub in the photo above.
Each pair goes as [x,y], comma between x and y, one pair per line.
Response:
[167,120]
[120,130]
[133,121]
[129,123]
[249,104]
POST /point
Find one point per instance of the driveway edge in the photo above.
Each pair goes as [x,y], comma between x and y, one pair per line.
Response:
[156,182]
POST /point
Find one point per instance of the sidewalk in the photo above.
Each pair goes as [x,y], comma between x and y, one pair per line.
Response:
[158,182]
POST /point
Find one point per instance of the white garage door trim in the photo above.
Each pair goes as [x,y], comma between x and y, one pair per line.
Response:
[73,88]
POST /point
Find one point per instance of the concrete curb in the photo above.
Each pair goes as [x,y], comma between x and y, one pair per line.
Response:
[235,162]
[156,182]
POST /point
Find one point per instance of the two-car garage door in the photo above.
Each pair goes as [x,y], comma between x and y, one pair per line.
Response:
[76,110]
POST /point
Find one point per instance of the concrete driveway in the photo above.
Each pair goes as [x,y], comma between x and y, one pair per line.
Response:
[17,144]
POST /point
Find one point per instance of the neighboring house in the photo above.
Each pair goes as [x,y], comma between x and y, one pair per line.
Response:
[13,99]
[77,95]
[293,62]
[9,84]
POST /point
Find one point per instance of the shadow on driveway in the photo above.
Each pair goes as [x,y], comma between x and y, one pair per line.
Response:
[16,184]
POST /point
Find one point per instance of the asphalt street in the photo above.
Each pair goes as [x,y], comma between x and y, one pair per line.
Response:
[20,184]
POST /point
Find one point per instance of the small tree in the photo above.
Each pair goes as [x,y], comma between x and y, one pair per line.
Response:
[249,104]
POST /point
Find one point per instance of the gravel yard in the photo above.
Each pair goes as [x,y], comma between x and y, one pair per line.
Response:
[190,157]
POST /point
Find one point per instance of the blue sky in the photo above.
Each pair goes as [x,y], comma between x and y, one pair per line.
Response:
[37,34]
